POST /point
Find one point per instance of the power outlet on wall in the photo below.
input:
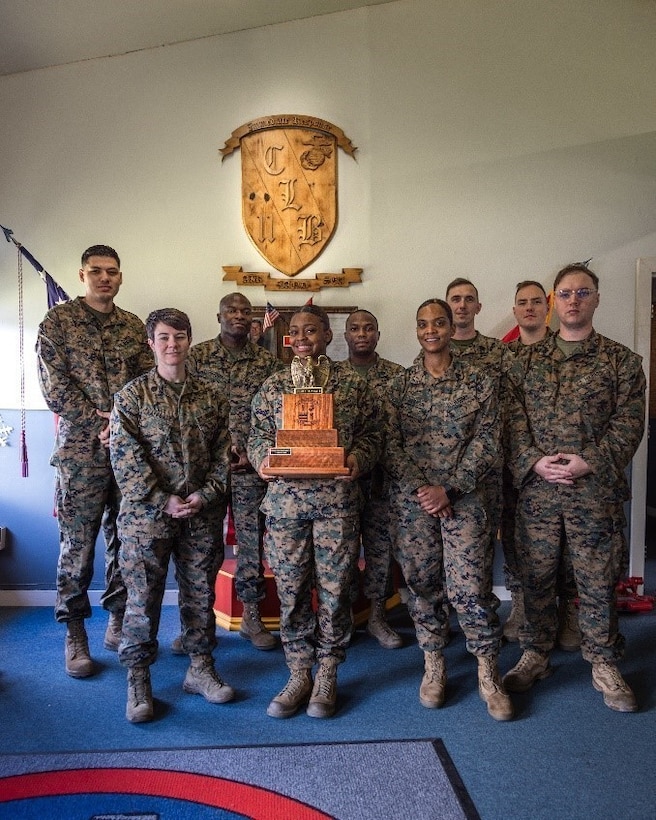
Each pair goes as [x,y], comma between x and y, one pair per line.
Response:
[3,537]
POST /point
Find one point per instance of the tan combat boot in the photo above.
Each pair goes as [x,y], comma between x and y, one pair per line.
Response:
[76,650]
[569,633]
[139,707]
[324,692]
[433,684]
[254,630]
[516,618]
[203,679]
[113,631]
[531,666]
[490,688]
[606,678]
[379,629]
[294,694]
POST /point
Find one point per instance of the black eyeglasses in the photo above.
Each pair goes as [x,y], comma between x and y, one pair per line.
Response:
[580,293]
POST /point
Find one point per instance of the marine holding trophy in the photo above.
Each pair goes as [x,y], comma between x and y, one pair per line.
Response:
[314,430]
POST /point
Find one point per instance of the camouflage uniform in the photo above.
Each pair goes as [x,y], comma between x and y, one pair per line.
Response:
[566,583]
[590,402]
[490,355]
[508,490]
[239,375]
[445,431]
[375,523]
[487,350]
[81,364]
[167,442]
[312,525]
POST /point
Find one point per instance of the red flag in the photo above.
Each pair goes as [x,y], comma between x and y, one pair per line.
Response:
[513,333]
[309,301]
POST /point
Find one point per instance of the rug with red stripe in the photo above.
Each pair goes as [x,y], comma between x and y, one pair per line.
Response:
[407,778]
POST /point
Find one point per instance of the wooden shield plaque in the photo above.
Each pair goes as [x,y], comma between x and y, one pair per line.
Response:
[289,186]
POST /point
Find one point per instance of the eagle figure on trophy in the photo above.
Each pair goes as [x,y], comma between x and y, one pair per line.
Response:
[306,373]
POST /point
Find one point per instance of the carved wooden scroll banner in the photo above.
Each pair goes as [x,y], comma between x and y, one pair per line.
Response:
[234,273]
[289,196]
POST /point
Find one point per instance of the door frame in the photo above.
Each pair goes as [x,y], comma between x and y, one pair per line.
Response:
[645,271]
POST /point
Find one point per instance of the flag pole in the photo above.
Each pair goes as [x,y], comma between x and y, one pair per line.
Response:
[45,277]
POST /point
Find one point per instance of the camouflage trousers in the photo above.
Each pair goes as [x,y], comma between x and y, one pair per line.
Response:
[248,491]
[565,585]
[307,553]
[196,546]
[490,493]
[87,500]
[424,547]
[547,515]
[376,538]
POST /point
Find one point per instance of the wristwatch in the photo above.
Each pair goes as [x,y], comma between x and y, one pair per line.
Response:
[451,493]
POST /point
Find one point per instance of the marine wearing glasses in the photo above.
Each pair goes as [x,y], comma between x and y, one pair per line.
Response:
[579,293]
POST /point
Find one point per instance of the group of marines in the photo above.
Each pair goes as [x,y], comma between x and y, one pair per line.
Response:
[156,437]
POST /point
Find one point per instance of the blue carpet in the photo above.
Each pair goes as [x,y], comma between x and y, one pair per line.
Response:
[564,756]
[307,782]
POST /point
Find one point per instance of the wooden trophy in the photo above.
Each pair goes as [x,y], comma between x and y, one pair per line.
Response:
[306,446]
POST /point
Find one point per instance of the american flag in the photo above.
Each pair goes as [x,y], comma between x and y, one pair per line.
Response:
[271,316]
[56,294]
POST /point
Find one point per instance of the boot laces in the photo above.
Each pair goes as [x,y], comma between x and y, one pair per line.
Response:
[140,686]
[252,612]
[612,677]
[294,685]
[205,668]
[252,619]
[434,667]
[324,683]
[489,678]
[79,642]
[385,628]
[527,660]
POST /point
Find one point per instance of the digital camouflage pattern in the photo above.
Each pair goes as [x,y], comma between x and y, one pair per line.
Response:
[375,525]
[592,403]
[312,524]
[240,374]
[169,442]
[307,553]
[508,490]
[486,350]
[492,356]
[445,431]
[81,363]
[566,584]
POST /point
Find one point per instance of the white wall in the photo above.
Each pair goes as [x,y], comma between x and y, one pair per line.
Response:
[498,139]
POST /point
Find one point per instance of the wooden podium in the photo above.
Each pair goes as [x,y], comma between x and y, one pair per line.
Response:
[306,446]
[228,609]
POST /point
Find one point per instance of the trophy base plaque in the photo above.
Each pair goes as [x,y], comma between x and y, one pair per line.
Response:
[306,446]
